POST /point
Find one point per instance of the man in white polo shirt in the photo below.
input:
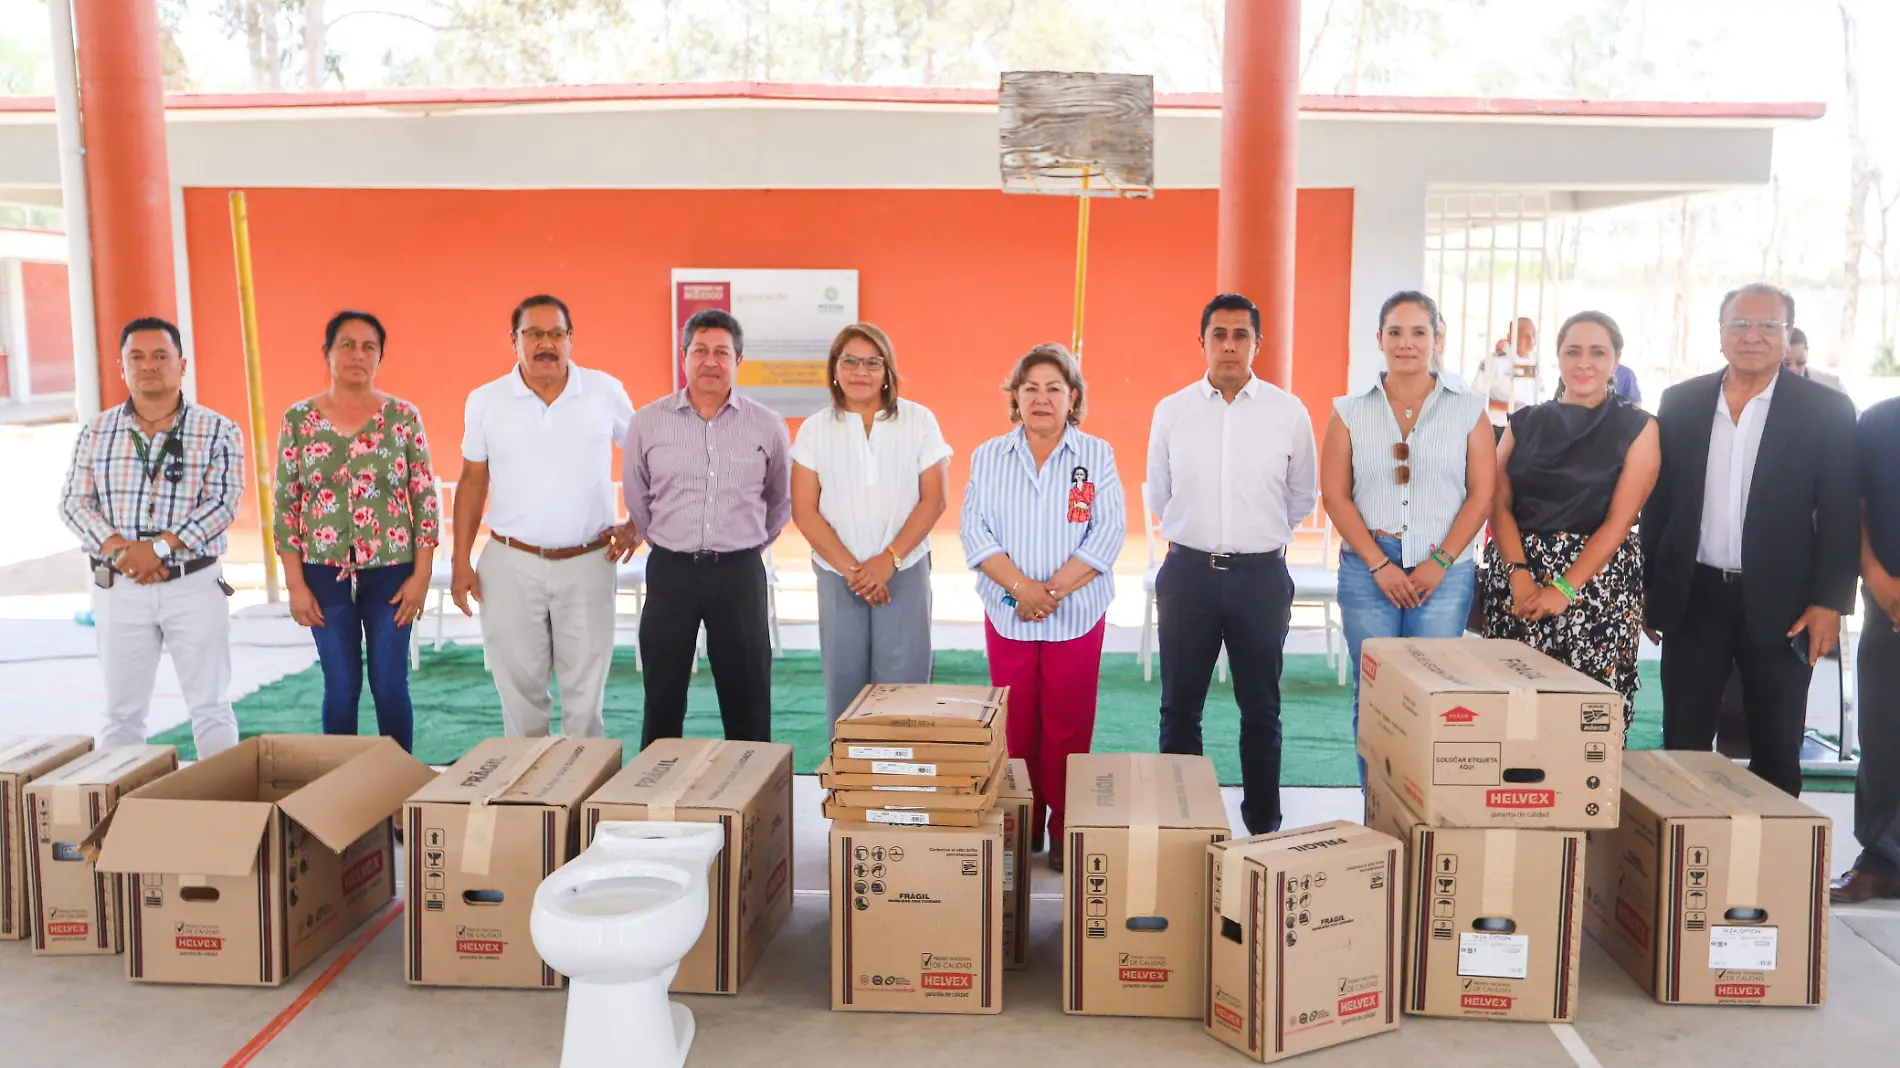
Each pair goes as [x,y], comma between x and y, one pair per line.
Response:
[537,450]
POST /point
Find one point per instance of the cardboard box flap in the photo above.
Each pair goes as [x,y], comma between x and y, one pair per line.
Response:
[184,837]
[34,754]
[675,773]
[1478,665]
[349,801]
[924,706]
[523,771]
[1286,846]
[1682,784]
[1015,780]
[103,767]
[1186,793]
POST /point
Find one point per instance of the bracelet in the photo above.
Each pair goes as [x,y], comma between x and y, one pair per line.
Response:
[896,560]
[1441,558]
[1564,587]
[1382,564]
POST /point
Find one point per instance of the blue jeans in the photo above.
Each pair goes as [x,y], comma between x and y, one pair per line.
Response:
[355,616]
[1365,612]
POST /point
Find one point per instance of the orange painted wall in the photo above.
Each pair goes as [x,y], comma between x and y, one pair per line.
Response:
[964,282]
[49,326]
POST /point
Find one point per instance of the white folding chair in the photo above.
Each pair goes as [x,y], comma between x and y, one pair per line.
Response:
[1149,524]
[1315,582]
[441,573]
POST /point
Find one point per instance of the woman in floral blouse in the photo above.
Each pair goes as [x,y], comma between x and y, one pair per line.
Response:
[358,521]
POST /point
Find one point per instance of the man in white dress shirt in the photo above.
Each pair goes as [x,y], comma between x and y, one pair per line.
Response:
[1232,471]
[537,451]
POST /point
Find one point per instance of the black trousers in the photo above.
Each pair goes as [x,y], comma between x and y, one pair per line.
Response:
[1249,610]
[1877,788]
[727,593]
[1696,659]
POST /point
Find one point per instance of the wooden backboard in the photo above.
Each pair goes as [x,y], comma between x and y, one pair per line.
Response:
[1077,134]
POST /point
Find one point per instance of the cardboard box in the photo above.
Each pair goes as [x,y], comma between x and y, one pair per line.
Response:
[244,867]
[915,796]
[746,787]
[924,714]
[1714,891]
[76,910]
[1303,939]
[1476,732]
[1017,806]
[896,815]
[1493,917]
[944,765]
[918,778]
[917,918]
[481,838]
[24,758]
[1135,883]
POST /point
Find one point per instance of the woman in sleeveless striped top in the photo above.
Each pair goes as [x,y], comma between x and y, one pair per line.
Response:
[1406,476]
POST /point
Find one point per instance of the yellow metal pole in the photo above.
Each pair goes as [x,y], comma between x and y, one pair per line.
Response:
[1081,267]
[262,453]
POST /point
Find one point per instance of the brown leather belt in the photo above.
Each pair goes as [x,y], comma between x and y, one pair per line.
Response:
[554,554]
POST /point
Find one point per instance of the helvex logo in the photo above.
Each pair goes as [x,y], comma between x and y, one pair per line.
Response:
[1369,668]
[1485,1002]
[362,873]
[1227,1016]
[1740,990]
[1144,975]
[1458,714]
[947,981]
[480,947]
[68,929]
[1520,799]
[1358,1003]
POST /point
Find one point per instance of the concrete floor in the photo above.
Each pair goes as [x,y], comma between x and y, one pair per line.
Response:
[54,1011]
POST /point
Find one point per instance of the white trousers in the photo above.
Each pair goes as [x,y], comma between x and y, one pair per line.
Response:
[542,617]
[189,618]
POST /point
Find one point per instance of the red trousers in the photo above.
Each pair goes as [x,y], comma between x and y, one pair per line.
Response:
[1052,688]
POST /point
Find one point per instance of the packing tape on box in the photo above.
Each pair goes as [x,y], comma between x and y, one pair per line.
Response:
[1144,838]
[193,880]
[1500,870]
[17,748]
[66,804]
[1744,846]
[478,838]
[1520,701]
[664,804]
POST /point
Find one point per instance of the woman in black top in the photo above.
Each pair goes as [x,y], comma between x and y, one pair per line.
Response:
[1565,575]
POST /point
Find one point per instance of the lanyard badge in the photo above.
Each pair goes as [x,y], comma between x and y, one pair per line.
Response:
[1081,496]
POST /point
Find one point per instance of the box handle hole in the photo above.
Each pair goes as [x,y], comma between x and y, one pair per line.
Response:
[1740,915]
[481,897]
[198,893]
[1230,930]
[1494,925]
[1523,775]
[1147,923]
[65,851]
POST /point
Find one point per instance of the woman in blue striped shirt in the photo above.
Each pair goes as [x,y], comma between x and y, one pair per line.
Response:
[1406,474]
[1043,521]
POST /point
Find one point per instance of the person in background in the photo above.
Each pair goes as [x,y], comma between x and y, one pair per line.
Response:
[1751,538]
[1232,473]
[537,452]
[1043,521]
[868,482]
[1565,576]
[358,522]
[1626,384]
[1876,872]
[1406,476]
[1796,360]
[154,484]
[1512,376]
[707,479]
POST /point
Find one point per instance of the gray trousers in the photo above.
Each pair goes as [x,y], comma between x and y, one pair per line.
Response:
[1877,790]
[542,617]
[861,645]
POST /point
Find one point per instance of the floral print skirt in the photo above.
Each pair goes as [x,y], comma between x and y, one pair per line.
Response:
[1599,633]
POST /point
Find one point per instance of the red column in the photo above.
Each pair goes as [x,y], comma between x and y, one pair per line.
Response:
[1260,113]
[128,179]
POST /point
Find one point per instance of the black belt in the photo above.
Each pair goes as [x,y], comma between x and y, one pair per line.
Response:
[707,557]
[1719,574]
[1227,561]
[172,571]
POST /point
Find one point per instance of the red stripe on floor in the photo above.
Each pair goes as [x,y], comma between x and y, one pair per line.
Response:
[380,923]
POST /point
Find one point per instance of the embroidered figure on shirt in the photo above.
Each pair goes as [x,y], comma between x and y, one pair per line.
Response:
[1081,496]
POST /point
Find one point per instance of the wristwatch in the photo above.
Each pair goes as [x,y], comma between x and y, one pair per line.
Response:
[162,548]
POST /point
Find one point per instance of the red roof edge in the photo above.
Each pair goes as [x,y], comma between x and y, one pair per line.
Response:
[1474,107]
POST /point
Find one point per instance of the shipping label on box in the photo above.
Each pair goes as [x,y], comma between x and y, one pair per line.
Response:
[746,787]
[1714,891]
[480,840]
[1475,732]
[76,910]
[24,758]
[1303,939]
[917,918]
[1134,917]
[1493,917]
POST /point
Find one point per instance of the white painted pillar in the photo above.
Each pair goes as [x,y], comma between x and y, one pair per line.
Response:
[1388,255]
[19,360]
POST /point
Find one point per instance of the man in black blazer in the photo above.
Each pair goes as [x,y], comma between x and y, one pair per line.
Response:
[1752,537]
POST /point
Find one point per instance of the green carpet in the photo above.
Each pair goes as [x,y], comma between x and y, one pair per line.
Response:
[456,706]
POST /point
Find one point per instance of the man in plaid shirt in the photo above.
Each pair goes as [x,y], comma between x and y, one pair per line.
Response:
[153,485]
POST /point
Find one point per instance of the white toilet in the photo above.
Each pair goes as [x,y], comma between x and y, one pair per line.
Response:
[616,921]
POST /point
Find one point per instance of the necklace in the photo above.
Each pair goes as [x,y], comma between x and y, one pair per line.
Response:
[150,426]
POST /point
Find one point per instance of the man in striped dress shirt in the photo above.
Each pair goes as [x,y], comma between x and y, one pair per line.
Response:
[1231,472]
[154,483]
